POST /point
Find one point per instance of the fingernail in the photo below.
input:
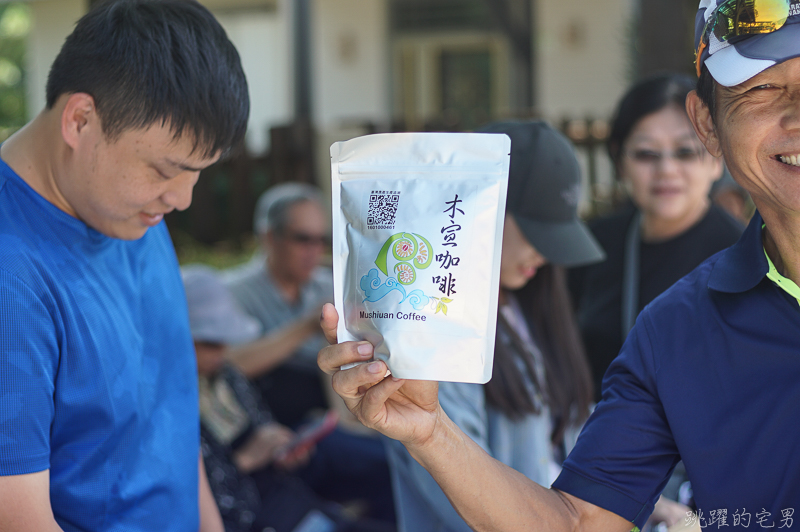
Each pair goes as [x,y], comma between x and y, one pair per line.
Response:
[375,367]
[365,349]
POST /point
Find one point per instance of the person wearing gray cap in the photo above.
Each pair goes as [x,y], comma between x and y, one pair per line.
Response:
[237,432]
[257,483]
[710,372]
[541,387]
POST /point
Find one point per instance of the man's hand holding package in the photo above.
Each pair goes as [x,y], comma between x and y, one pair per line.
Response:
[407,411]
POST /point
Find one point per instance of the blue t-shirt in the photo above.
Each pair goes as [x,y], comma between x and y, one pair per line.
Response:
[709,374]
[98,378]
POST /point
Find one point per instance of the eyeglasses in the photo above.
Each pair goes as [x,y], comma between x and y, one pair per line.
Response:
[305,239]
[742,18]
[684,155]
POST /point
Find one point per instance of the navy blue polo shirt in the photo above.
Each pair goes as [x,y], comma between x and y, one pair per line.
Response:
[710,374]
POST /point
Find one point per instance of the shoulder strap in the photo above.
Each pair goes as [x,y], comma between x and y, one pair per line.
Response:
[630,275]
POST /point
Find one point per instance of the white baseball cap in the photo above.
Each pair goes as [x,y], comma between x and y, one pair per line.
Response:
[734,61]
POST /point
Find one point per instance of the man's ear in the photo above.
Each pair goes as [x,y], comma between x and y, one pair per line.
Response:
[703,123]
[78,115]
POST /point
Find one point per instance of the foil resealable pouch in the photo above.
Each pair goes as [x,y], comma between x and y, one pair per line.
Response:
[417,233]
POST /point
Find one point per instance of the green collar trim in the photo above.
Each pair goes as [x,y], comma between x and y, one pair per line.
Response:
[784,282]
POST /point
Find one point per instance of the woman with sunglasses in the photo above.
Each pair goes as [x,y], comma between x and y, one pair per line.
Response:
[671,226]
[541,384]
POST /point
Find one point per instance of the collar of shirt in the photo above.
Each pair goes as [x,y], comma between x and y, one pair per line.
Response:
[784,282]
[742,266]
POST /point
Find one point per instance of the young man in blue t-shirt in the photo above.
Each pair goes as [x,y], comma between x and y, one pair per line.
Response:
[98,386]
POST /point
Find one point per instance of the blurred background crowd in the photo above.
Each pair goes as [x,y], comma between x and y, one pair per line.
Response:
[326,70]
[321,71]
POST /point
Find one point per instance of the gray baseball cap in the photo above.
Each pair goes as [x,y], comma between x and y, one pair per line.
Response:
[214,316]
[544,185]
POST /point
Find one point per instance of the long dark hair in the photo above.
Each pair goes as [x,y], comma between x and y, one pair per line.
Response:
[567,385]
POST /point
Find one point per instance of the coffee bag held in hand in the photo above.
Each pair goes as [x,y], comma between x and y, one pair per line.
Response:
[417,229]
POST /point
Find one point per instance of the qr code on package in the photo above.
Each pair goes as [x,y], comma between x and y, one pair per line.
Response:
[382,209]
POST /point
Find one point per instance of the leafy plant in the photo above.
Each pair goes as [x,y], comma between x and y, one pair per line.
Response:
[441,304]
[15,24]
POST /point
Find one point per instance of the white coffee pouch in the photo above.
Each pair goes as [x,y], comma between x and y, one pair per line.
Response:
[417,233]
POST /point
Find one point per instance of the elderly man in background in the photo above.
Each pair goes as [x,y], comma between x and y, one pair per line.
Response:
[285,291]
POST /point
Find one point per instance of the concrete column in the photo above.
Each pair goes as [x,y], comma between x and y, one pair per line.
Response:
[52,21]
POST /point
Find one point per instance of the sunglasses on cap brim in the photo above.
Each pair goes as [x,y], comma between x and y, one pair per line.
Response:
[735,19]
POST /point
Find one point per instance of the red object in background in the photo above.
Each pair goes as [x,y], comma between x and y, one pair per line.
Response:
[309,435]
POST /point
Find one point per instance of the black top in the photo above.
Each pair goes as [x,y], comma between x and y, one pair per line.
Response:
[597,289]
[236,494]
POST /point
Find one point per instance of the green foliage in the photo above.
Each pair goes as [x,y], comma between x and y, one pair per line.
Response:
[15,24]
[221,255]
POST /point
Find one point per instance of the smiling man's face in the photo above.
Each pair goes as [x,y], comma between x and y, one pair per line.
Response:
[757,130]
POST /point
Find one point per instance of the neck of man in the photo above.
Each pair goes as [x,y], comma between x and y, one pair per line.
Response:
[288,286]
[23,153]
[782,244]
[657,229]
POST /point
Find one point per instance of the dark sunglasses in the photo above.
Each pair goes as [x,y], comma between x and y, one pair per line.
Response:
[742,18]
[682,155]
[305,239]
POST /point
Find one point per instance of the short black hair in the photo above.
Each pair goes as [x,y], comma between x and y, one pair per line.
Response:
[645,97]
[147,62]
[706,87]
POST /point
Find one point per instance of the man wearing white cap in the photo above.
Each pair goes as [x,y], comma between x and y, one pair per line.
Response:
[710,373]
